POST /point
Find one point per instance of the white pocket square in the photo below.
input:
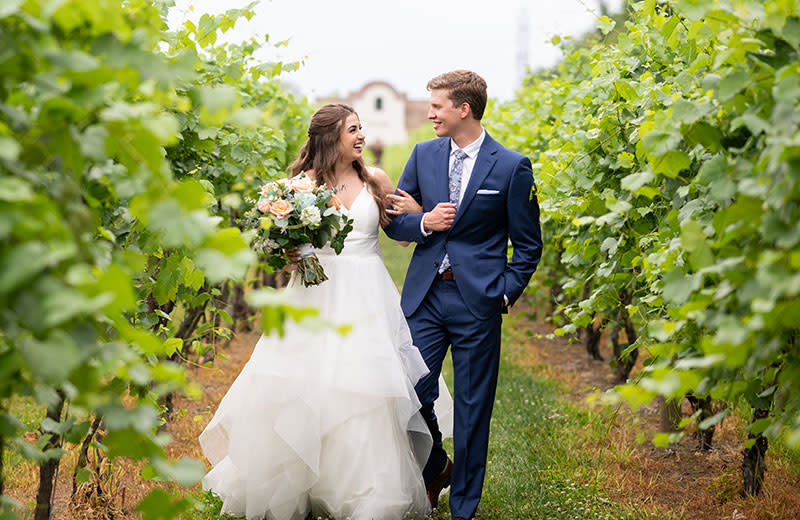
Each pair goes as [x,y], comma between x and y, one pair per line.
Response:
[488,192]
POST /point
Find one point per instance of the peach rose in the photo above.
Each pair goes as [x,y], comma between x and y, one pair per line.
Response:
[264,206]
[335,202]
[281,208]
[302,184]
[265,189]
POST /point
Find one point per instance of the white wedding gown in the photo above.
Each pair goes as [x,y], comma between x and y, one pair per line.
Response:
[328,424]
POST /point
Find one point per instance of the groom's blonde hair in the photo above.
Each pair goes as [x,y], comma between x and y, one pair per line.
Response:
[463,86]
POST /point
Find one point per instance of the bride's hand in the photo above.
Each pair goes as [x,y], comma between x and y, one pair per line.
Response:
[403,203]
[294,256]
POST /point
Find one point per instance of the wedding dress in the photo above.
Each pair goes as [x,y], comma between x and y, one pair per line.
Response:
[323,423]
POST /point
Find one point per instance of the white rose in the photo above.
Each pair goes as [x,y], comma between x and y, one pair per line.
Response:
[310,216]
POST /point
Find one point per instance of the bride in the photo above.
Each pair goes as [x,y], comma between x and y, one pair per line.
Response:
[318,422]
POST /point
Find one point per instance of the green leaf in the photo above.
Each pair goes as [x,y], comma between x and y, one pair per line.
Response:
[635,395]
[13,189]
[173,345]
[685,112]
[186,471]
[731,333]
[83,475]
[178,227]
[160,505]
[164,127]
[605,24]
[626,90]
[9,424]
[131,443]
[791,31]
[712,169]
[672,163]
[9,148]
[610,246]
[218,104]
[10,7]
[53,359]
[713,420]
[731,84]
[117,282]
[59,428]
[169,279]
[218,266]
[72,60]
[662,330]
[704,134]
[694,9]
[694,241]
[663,440]
[678,286]
[754,123]
[225,316]
[635,181]
[668,28]
[758,426]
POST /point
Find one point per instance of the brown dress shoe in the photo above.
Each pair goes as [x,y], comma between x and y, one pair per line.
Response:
[439,483]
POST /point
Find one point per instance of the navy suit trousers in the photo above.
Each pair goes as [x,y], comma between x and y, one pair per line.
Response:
[441,321]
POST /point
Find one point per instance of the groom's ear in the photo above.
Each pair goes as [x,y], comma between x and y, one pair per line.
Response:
[464,110]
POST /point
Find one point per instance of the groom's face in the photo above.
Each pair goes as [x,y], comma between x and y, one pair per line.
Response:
[445,116]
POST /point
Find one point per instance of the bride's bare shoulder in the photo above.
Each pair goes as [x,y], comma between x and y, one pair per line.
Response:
[383,179]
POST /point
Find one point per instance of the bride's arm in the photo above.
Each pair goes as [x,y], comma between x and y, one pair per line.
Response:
[396,204]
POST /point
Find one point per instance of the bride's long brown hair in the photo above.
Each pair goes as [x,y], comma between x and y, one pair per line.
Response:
[320,153]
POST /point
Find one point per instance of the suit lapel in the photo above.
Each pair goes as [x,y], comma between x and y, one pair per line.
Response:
[442,171]
[483,165]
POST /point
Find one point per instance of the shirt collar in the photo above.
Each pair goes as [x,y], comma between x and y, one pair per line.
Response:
[471,149]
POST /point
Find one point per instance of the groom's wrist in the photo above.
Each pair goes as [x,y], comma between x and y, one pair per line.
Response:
[424,231]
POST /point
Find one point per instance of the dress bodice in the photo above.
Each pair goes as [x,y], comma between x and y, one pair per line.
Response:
[363,238]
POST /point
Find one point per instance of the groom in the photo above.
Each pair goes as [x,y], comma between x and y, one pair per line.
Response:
[475,194]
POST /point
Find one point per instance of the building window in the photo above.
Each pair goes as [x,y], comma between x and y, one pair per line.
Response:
[378,104]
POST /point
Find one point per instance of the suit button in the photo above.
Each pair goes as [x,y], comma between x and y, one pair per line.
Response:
[436,264]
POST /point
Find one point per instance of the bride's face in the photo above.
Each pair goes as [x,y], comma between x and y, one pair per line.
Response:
[351,139]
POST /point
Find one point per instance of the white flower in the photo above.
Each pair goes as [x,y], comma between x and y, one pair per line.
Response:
[310,216]
[266,244]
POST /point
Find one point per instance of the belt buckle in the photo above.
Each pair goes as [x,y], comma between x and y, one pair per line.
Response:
[447,274]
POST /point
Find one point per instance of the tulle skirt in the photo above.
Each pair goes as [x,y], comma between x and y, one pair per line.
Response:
[323,423]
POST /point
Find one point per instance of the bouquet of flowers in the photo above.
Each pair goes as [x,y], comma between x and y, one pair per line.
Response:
[293,212]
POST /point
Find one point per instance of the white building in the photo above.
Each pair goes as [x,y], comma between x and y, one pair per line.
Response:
[386,114]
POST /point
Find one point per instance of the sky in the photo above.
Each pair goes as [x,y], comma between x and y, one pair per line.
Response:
[345,44]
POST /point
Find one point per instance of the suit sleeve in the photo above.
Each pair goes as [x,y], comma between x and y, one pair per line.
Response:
[407,227]
[524,231]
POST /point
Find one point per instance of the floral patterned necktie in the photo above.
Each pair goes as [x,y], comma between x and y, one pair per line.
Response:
[455,176]
[455,192]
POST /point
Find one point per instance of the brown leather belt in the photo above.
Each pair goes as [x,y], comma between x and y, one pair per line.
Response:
[446,275]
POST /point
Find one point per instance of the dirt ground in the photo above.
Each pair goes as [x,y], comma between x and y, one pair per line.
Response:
[681,480]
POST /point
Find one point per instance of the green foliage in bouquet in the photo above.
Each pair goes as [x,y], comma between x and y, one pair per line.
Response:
[293,212]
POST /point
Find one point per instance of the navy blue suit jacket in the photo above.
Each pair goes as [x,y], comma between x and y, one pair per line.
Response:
[477,242]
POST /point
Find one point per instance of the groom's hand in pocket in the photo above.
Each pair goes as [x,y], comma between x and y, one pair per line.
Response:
[440,218]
